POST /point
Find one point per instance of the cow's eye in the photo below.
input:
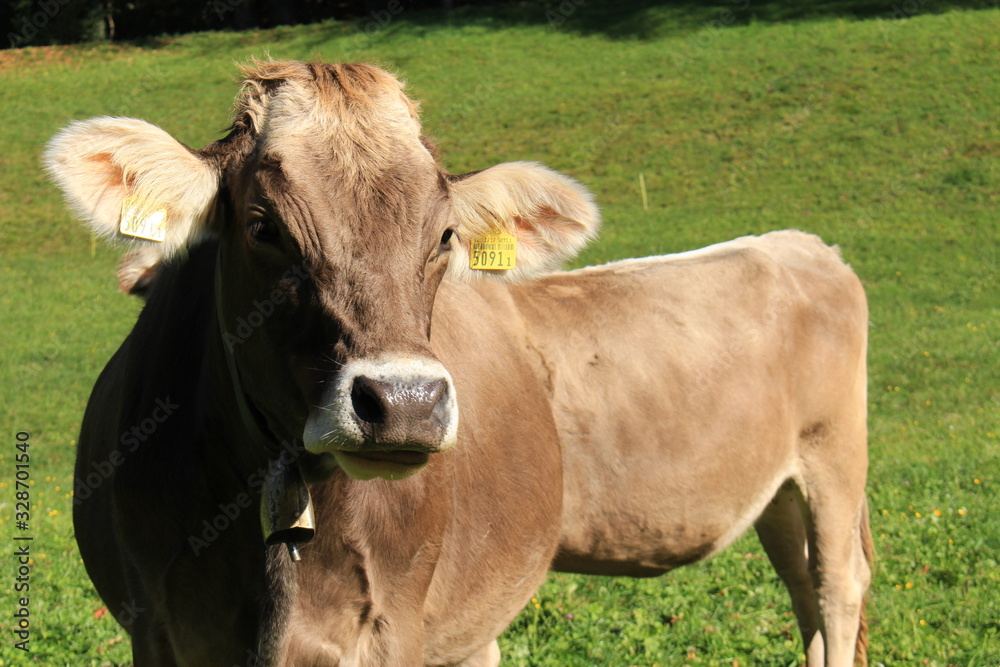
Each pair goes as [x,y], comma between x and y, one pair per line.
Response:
[446,239]
[264,230]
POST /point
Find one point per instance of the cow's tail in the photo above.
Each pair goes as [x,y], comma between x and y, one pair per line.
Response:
[868,549]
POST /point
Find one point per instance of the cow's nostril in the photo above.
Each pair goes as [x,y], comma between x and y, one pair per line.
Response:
[433,394]
[367,402]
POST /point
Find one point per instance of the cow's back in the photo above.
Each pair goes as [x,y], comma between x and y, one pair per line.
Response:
[674,375]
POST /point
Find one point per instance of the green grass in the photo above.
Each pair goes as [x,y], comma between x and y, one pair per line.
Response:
[879,135]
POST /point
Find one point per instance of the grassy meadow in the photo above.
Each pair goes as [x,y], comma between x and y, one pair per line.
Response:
[878,133]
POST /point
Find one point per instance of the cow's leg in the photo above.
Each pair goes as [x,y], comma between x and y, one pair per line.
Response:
[783,532]
[151,648]
[488,656]
[834,471]
[842,574]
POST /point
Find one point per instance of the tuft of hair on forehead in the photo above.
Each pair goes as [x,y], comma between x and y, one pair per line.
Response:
[334,87]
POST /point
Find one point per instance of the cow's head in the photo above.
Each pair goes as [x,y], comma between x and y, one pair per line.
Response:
[336,227]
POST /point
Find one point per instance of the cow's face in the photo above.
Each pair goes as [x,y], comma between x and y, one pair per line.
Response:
[336,227]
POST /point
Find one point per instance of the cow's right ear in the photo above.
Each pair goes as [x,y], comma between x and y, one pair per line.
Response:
[549,216]
[133,183]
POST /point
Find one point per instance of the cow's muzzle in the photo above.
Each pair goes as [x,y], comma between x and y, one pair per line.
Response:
[384,418]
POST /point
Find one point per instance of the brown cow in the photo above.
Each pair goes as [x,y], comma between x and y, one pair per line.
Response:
[316,288]
[700,393]
[308,247]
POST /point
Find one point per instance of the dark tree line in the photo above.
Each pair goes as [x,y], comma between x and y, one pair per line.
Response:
[42,22]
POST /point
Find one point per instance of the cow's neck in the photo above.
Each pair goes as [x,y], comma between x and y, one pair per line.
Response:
[204,544]
[286,506]
[375,552]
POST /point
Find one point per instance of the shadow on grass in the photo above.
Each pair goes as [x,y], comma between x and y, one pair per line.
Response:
[645,19]
[624,20]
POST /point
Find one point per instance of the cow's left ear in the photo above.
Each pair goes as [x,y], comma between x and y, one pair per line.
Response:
[133,183]
[551,217]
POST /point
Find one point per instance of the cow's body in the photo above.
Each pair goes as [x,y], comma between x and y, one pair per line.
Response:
[623,419]
[702,393]
[722,368]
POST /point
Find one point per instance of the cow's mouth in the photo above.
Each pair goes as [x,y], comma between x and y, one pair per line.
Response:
[387,464]
[317,467]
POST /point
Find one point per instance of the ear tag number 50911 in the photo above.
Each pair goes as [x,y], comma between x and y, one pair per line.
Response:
[495,251]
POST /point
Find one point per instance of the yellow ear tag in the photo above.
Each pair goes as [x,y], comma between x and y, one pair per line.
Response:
[495,251]
[142,221]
